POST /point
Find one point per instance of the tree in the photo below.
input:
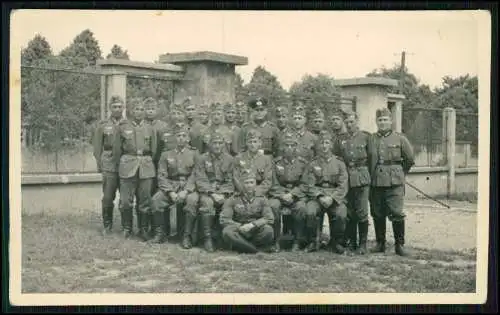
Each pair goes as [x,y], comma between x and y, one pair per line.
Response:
[266,85]
[38,48]
[118,53]
[315,91]
[84,51]
[241,92]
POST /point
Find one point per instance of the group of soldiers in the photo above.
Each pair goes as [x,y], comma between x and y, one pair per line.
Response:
[237,180]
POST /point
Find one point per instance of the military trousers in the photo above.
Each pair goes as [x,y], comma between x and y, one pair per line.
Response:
[128,188]
[337,217]
[110,184]
[387,202]
[249,243]
[358,203]
[297,211]
[208,207]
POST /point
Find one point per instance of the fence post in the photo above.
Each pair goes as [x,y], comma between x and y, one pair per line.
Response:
[449,137]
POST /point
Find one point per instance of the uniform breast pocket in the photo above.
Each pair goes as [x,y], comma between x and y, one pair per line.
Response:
[147,140]
[361,151]
[394,152]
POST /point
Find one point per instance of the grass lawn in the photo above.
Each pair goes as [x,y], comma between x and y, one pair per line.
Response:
[64,253]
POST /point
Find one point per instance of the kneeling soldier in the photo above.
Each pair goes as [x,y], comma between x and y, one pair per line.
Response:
[327,187]
[176,187]
[135,147]
[288,190]
[247,218]
[214,182]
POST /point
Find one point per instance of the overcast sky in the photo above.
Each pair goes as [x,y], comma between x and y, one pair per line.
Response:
[287,43]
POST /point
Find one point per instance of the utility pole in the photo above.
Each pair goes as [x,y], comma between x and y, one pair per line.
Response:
[402,71]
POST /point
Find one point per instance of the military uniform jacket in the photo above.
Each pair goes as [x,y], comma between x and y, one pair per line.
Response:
[289,177]
[391,158]
[327,177]
[261,165]
[238,210]
[104,137]
[135,148]
[196,132]
[160,127]
[269,136]
[306,142]
[353,150]
[175,170]
[214,174]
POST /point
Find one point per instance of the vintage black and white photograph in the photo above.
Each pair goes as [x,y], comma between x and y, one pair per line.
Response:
[321,155]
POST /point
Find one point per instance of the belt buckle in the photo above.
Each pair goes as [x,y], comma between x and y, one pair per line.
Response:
[325,185]
[139,152]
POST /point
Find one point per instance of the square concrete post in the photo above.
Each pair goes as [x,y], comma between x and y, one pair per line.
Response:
[208,76]
[371,93]
[397,111]
[114,84]
[449,137]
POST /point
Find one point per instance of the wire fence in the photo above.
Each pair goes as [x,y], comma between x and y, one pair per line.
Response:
[467,140]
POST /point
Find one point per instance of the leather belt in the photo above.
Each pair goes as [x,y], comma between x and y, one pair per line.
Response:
[382,162]
[357,164]
[140,153]
[325,185]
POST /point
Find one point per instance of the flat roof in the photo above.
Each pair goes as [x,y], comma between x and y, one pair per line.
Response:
[366,81]
[203,56]
[138,64]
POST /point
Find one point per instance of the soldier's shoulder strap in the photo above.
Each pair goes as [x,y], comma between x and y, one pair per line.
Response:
[366,132]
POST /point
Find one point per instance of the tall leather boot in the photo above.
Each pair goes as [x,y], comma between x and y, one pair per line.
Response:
[338,236]
[206,221]
[277,233]
[351,239]
[166,223]
[363,236]
[143,228]
[107,220]
[298,237]
[380,231]
[151,225]
[139,219]
[158,222]
[188,228]
[311,235]
[180,224]
[127,222]
[398,228]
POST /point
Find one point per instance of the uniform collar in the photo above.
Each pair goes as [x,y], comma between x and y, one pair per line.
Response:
[115,121]
[215,157]
[381,133]
[137,124]
[263,124]
[180,150]
[327,158]
[291,161]
[300,132]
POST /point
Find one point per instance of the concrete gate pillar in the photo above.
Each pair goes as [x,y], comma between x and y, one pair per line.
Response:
[371,94]
[208,76]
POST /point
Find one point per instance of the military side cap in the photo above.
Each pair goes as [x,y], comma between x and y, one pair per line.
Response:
[240,104]
[317,113]
[177,107]
[217,107]
[257,103]
[289,138]
[150,102]
[180,128]
[203,108]
[229,106]
[253,134]
[337,112]
[383,112]
[325,135]
[298,112]
[281,111]
[115,99]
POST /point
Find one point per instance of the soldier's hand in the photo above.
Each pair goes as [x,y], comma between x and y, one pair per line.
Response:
[246,228]
[173,196]
[182,195]
[218,198]
[326,201]
[288,198]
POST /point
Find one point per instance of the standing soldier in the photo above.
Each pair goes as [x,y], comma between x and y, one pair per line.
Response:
[241,113]
[247,219]
[214,183]
[253,159]
[177,117]
[217,125]
[281,118]
[391,158]
[230,120]
[317,121]
[268,130]
[327,180]
[288,191]
[199,128]
[337,124]
[353,150]
[190,109]
[134,150]
[176,187]
[104,137]
[306,140]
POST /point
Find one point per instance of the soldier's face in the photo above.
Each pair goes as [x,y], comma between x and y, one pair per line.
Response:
[182,138]
[217,145]
[177,115]
[281,121]
[299,121]
[289,149]
[336,122]
[325,146]
[151,112]
[230,115]
[384,123]
[259,113]
[249,184]
[116,110]
[241,115]
[203,117]
[318,124]
[190,111]
[217,117]
[139,112]
[351,123]
[253,145]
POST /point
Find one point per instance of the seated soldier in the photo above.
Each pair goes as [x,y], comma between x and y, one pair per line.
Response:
[327,180]
[176,186]
[288,191]
[214,182]
[247,218]
[254,159]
